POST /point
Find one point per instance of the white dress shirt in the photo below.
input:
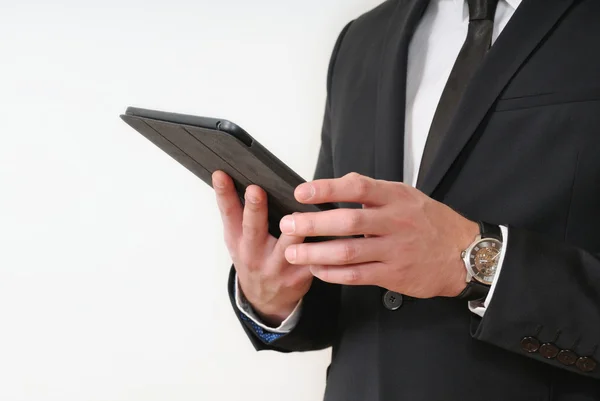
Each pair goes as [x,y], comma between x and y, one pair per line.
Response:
[432,52]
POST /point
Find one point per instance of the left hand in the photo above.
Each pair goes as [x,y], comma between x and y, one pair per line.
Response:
[412,243]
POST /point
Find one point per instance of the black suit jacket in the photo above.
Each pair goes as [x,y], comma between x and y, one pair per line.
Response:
[523,151]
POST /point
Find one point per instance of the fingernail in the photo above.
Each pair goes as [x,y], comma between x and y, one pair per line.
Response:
[305,192]
[290,253]
[314,270]
[218,184]
[287,225]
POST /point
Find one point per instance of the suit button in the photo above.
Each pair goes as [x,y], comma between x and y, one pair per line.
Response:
[530,344]
[586,364]
[567,357]
[549,350]
[392,300]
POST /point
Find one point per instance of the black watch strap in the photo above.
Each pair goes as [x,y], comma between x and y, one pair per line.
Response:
[474,291]
[487,230]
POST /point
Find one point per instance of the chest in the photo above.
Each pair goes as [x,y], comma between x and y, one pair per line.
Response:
[531,157]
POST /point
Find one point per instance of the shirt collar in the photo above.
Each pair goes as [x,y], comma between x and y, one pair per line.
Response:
[512,3]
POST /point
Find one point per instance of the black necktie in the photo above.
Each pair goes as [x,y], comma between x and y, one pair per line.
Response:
[478,42]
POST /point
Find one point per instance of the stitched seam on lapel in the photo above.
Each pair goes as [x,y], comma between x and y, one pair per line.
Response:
[379,83]
[542,104]
[333,62]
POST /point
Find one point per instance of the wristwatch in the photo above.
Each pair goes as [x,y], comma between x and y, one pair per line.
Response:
[481,260]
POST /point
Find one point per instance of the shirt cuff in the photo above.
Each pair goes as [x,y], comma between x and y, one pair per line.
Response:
[479,307]
[246,309]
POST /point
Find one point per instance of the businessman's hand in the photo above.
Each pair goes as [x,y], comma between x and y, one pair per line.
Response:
[271,285]
[412,243]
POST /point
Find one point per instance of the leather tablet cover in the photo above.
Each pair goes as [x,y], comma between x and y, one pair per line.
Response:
[203,150]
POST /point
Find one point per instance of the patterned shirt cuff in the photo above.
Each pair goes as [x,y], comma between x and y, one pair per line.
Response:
[266,336]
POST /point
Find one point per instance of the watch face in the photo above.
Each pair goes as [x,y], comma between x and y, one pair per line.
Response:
[484,260]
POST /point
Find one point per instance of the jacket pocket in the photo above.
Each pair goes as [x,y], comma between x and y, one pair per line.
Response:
[548,99]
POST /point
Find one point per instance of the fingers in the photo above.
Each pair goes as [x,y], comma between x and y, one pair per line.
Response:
[353,187]
[338,252]
[283,242]
[246,226]
[337,222]
[360,274]
[255,224]
[229,206]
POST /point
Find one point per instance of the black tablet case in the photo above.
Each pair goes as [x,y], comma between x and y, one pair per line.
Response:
[203,146]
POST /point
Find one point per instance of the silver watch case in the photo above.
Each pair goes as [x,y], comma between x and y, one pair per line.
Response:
[468,256]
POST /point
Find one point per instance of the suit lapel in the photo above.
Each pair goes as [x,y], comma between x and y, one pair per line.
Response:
[391,98]
[528,26]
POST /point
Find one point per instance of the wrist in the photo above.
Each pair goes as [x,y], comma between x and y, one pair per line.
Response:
[274,317]
[465,236]
[457,282]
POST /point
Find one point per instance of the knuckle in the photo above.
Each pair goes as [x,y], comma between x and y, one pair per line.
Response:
[403,221]
[292,283]
[352,276]
[398,220]
[287,283]
[348,253]
[422,203]
[223,192]
[324,189]
[409,248]
[362,186]
[250,230]
[402,263]
[227,210]
[309,225]
[253,207]
[402,187]
[399,189]
[354,220]
[411,222]
[264,276]
[353,176]
[255,266]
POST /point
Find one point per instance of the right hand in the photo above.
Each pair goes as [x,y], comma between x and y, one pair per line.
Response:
[270,284]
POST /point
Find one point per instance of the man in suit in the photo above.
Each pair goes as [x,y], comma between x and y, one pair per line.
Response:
[460,142]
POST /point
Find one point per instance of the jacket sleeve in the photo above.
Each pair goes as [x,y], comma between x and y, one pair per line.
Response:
[318,320]
[546,304]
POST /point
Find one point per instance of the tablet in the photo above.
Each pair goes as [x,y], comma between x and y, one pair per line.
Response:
[204,145]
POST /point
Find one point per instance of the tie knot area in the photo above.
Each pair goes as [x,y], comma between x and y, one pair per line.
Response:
[482,9]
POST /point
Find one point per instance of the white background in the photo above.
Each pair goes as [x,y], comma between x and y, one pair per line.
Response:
[112,266]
